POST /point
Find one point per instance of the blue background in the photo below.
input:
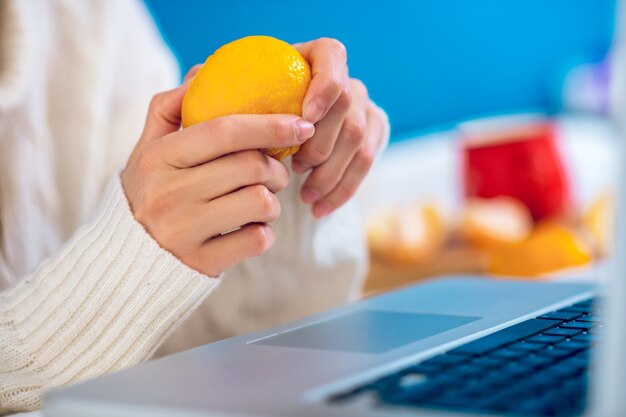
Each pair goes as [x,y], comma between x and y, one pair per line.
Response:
[428,63]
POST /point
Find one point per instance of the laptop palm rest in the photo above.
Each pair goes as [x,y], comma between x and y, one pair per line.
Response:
[367,331]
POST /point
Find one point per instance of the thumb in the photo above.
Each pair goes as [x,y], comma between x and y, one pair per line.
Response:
[164,114]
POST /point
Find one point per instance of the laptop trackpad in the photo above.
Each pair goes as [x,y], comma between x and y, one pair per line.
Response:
[367,331]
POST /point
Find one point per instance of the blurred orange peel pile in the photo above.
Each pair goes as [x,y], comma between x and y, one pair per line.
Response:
[496,222]
[500,228]
[503,228]
[551,247]
[406,236]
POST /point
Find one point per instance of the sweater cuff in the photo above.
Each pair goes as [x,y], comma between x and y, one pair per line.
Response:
[105,302]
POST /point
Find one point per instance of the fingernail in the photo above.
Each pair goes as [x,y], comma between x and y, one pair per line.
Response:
[309,195]
[322,209]
[314,111]
[299,167]
[304,130]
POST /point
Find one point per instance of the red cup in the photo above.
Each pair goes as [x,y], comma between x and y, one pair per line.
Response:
[516,157]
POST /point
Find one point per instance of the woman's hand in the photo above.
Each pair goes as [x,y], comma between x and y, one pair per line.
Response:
[349,129]
[189,187]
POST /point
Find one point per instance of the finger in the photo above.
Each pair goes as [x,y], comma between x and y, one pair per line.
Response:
[347,186]
[232,172]
[318,149]
[328,64]
[164,113]
[206,141]
[192,72]
[356,171]
[253,204]
[220,253]
[325,177]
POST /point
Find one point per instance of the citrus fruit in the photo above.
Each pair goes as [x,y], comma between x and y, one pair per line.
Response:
[551,247]
[252,75]
[495,222]
[406,236]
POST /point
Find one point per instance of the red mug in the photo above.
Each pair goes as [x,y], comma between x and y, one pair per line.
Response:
[516,157]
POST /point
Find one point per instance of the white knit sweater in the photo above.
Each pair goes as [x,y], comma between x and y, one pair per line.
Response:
[85,290]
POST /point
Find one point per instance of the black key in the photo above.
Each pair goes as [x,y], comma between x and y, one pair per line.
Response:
[545,339]
[577,364]
[590,318]
[572,345]
[488,362]
[452,400]
[517,370]
[550,403]
[469,371]
[476,391]
[584,355]
[559,331]
[555,354]
[526,347]
[498,403]
[575,309]
[561,315]
[444,361]
[584,337]
[543,380]
[495,380]
[528,388]
[586,303]
[560,373]
[578,360]
[581,325]
[537,362]
[576,386]
[508,335]
[531,407]
[508,354]
[551,407]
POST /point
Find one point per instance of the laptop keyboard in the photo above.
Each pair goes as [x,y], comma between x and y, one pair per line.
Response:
[538,367]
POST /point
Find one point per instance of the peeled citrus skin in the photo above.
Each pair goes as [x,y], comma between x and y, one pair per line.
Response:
[252,75]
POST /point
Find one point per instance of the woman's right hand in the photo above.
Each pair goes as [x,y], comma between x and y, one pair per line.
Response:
[189,187]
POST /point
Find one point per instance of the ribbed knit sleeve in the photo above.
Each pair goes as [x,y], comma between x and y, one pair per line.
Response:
[104,302]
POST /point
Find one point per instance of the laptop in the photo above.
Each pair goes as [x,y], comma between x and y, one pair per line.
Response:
[451,345]
[447,347]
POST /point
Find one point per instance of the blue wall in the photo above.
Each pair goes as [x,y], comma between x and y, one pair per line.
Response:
[427,62]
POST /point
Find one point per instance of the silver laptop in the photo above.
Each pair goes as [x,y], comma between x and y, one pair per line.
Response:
[442,347]
[445,347]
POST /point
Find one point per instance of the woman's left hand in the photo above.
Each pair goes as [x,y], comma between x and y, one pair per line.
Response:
[349,129]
